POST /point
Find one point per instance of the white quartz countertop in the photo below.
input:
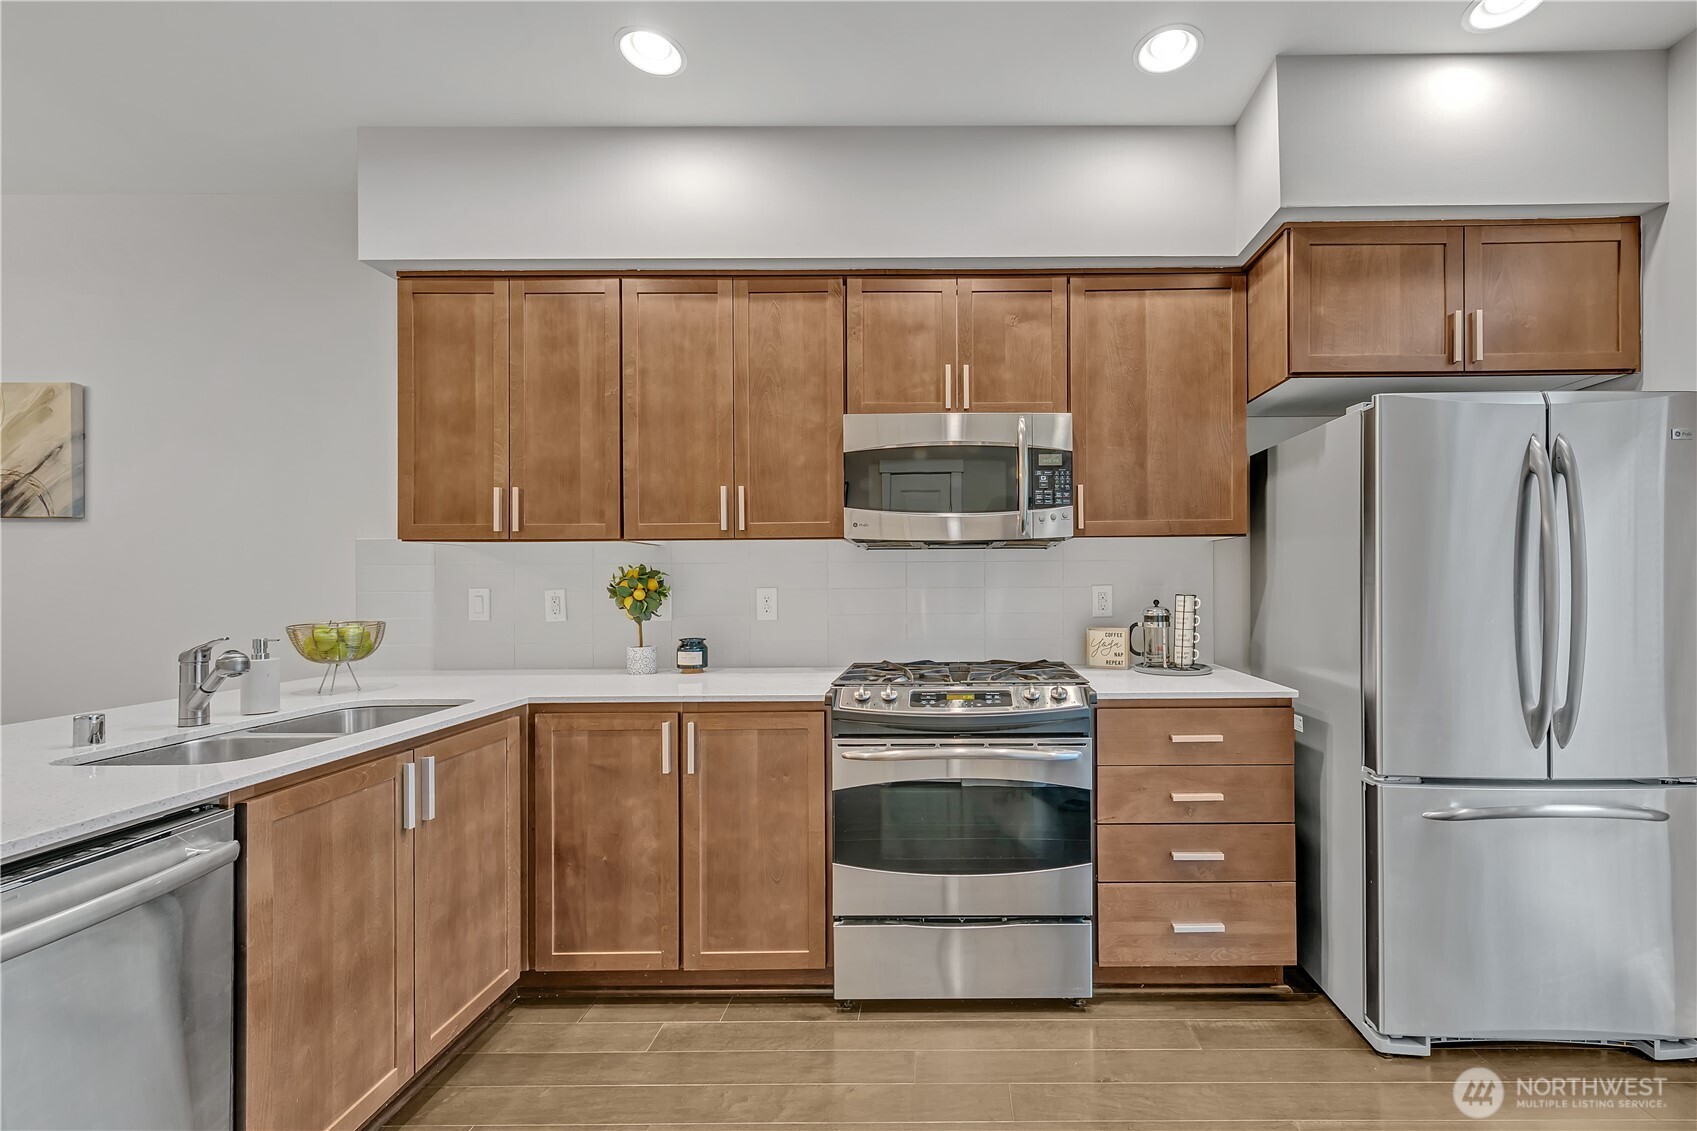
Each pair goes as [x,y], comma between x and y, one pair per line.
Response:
[53,794]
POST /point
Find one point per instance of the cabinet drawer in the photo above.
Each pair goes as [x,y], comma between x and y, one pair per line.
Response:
[1156,795]
[1195,853]
[1196,924]
[1184,736]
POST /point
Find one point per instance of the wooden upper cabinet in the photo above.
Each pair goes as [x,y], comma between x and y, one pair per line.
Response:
[564,409]
[1013,344]
[1375,298]
[678,408]
[466,878]
[605,850]
[754,846]
[1158,403]
[452,412]
[1552,297]
[328,955]
[789,408]
[901,345]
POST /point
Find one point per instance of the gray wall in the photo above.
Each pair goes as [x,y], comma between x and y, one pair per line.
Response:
[240,366]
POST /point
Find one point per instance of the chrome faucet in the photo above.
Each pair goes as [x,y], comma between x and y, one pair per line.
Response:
[198,676]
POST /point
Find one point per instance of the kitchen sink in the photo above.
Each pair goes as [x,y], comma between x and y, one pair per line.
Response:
[352,720]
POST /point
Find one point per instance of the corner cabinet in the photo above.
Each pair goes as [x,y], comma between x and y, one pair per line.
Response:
[667,841]
[381,917]
[1157,369]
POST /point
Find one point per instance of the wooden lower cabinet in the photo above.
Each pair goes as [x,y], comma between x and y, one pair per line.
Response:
[666,841]
[1211,924]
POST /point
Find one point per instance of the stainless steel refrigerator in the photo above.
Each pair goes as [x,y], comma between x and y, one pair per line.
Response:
[1488,604]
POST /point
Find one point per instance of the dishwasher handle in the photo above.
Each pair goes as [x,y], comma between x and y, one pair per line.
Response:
[61,924]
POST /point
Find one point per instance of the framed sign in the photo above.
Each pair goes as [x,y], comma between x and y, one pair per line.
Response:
[1107,648]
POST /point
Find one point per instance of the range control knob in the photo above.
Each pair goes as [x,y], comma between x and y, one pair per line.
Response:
[862,694]
[1058,694]
[1032,694]
[888,695]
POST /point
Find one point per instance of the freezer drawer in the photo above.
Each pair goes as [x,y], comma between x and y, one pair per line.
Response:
[943,959]
[1545,912]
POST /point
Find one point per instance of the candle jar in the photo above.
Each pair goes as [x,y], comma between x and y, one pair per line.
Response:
[692,654]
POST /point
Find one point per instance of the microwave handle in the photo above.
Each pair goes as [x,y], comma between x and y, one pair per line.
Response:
[1024,494]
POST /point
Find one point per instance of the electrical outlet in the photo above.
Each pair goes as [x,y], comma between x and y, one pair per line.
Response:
[1299,724]
[765,604]
[553,605]
[477,604]
[1101,600]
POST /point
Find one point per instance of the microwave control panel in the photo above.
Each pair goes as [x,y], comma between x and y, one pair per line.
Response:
[1051,478]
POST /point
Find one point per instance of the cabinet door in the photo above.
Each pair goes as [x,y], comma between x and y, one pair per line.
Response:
[901,345]
[452,414]
[606,842]
[1158,404]
[564,414]
[1013,344]
[754,840]
[466,879]
[678,408]
[789,408]
[1375,299]
[1552,297]
[328,1024]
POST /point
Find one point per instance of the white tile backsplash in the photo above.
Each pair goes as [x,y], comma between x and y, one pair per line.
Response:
[837,602]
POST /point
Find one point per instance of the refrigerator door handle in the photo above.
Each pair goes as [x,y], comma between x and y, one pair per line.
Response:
[1536,707]
[1564,465]
[1516,812]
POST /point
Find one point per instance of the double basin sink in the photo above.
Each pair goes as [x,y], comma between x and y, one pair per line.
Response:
[274,738]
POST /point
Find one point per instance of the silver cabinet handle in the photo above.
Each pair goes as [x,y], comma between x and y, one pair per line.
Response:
[724,507]
[499,507]
[1078,503]
[1021,456]
[1196,737]
[1184,797]
[1185,856]
[948,385]
[1455,336]
[966,386]
[514,491]
[666,747]
[1199,928]
[1565,467]
[409,796]
[35,934]
[427,792]
[1479,335]
[1518,812]
[742,507]
[989,753]
[1537,706]
[689,748]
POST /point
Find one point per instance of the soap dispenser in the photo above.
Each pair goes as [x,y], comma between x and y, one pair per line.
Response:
[261,687]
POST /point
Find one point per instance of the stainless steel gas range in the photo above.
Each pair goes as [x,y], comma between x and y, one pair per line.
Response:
[961,858]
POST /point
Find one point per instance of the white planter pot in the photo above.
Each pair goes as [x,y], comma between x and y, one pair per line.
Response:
[641,661]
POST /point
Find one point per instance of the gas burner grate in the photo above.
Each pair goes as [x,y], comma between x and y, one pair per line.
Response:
[961,672]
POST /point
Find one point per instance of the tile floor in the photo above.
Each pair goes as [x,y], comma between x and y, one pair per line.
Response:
[1131,1061]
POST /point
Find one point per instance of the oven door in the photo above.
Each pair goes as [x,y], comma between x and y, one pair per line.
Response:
[969,828]
[953,477]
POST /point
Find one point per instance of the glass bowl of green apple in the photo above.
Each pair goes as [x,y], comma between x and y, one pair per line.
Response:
[336,641]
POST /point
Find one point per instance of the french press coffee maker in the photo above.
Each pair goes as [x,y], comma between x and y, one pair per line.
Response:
[1154,632]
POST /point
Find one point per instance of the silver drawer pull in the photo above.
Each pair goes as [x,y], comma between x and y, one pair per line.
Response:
[1198,855]
[935,753]
[1182,797]
[1197,737]
[1199,928]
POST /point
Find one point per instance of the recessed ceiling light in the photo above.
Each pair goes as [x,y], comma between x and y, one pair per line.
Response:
[1168,48]
[648,50]
[1489,15]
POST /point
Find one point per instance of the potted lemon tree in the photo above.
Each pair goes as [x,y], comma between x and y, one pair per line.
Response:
[639,592]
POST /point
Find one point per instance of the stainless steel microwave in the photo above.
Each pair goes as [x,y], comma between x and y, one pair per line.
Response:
[957,478]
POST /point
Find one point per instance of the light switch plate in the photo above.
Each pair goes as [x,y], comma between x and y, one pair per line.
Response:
[553,605]
[1101,600]
[765,604]
[477,604]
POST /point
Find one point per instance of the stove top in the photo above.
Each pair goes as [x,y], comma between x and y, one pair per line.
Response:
[959,672]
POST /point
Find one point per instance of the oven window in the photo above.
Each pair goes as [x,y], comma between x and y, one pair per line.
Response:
[933,479]
[961,828]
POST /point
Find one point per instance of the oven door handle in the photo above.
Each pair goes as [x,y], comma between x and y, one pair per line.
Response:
[942,753]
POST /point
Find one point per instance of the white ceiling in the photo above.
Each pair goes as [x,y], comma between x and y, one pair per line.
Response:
[265,97]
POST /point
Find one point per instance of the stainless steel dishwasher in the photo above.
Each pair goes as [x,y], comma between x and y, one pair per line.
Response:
[117,980]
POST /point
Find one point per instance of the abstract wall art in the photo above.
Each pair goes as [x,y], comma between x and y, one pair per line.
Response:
[41,450]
